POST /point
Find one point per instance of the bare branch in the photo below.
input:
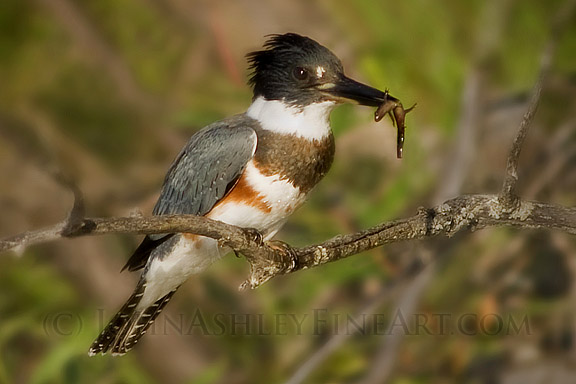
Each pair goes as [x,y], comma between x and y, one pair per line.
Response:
[467,212]
[126,225]
[508,194]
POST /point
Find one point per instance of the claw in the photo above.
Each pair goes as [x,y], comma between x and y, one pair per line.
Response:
[254,235]
[286,251]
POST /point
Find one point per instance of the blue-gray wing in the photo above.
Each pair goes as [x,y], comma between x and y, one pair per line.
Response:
[202,174]
[207,168]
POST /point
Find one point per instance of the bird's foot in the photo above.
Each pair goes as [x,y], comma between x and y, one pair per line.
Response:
[254,235]
[287,254]
[283,259]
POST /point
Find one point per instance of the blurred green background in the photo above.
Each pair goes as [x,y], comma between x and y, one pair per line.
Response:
[108,91]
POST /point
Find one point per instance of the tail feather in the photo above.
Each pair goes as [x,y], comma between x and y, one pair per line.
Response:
[129,324]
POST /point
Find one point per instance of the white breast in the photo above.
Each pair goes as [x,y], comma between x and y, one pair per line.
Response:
[310,122]
[279,195]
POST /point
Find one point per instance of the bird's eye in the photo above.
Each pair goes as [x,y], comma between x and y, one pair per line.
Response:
[300,73]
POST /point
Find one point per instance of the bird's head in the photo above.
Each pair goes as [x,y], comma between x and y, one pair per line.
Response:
[299,71]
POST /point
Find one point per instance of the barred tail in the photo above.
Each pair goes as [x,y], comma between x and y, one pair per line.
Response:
[129,324]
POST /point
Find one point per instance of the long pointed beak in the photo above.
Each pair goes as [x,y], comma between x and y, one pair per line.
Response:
[346,89]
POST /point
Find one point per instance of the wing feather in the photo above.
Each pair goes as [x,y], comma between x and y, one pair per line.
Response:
[202,174]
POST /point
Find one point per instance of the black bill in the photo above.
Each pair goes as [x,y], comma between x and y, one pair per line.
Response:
[347,89]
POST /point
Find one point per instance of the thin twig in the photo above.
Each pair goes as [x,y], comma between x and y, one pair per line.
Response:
[75,219]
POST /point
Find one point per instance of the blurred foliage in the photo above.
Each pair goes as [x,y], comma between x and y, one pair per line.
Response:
[108,91]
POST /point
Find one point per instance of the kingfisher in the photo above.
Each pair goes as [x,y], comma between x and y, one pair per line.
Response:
[251,170]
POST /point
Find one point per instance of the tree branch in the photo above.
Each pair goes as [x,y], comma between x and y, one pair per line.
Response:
[467,212]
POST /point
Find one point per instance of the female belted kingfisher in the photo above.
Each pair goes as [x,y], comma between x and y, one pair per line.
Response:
[251,170]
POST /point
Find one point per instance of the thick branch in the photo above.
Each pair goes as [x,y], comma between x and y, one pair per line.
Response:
[467,212]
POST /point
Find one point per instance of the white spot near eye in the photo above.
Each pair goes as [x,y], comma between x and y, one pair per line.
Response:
[320,72]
